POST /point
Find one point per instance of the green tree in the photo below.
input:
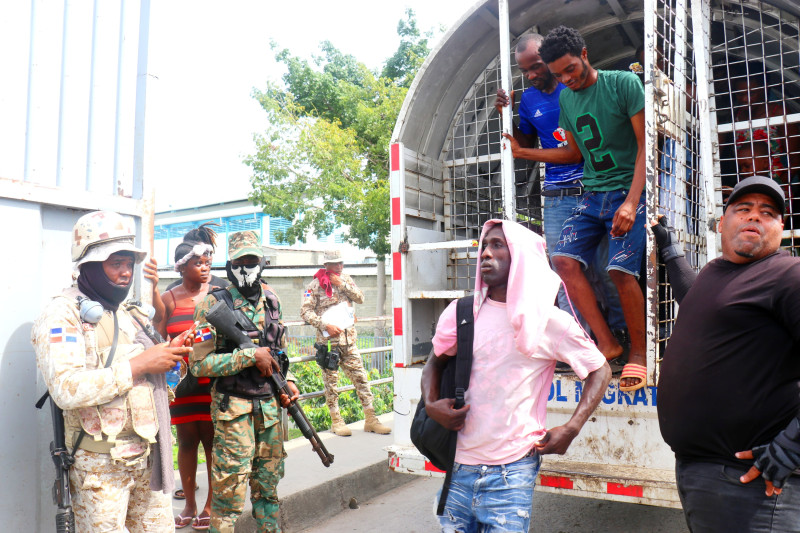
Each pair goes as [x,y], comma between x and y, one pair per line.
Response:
[413,50]
[323,161]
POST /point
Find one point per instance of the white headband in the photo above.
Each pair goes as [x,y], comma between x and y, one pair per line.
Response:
[198,250]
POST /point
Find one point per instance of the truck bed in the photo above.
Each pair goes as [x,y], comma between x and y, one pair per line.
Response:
[649,486]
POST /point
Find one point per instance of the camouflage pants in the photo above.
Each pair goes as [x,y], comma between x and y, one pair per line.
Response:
[349,361]
[248,446]
[108,496]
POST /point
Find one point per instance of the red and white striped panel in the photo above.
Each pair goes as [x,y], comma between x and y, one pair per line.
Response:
[396,192]
[562,482]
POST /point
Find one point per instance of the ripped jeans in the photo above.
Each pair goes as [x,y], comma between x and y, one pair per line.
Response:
[491,498]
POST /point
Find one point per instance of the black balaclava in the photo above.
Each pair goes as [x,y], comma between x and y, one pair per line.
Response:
[94,283]
[247,280]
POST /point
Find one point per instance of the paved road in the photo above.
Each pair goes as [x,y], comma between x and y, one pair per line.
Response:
[409,509]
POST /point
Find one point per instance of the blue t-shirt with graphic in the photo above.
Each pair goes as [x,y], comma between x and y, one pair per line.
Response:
[538,113]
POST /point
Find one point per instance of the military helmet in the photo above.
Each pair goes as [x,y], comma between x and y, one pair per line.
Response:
[99,234]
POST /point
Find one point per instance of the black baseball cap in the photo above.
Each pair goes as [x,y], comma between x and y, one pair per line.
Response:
[759,184]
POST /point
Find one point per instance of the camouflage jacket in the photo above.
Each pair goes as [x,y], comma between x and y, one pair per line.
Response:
[71,355]
[208,357]
[316,302]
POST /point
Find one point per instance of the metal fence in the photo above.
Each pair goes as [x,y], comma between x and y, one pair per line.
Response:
[378,348]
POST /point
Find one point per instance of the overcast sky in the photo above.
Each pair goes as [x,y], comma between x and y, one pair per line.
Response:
[205,59]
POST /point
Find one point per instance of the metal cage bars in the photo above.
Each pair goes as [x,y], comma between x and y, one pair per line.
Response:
[472,173]
[756,88]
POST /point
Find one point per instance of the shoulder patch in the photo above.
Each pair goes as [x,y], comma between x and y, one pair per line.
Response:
[307,293]
[201,335]
[65,334]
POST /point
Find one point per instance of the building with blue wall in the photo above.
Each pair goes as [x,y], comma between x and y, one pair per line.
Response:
[239,215]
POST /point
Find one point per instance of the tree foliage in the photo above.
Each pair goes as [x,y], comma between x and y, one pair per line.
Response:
[413,50]
[323,161]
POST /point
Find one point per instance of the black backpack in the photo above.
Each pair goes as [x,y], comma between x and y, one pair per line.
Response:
[431,439]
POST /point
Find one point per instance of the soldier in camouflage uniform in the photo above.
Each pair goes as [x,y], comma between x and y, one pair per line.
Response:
[328,288]
[248,436]
[114,413]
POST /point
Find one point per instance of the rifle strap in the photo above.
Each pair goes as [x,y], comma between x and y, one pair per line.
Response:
[43,399]
[148,330]
[109,359]
[465,338]
[241,317]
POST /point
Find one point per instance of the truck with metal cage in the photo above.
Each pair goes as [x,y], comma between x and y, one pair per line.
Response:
[719,77]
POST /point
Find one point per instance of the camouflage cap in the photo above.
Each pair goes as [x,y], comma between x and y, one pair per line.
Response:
[244,243]
[333,256]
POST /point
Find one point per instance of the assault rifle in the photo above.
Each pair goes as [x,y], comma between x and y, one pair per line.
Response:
[224,321]
[65,519]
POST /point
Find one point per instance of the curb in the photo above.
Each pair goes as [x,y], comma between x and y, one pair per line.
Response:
[317,504]
[312,494]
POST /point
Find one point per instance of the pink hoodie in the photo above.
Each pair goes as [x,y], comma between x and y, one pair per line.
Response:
[532,285]
[515,350]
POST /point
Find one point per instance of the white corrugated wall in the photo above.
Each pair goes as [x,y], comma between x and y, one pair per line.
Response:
[71,140]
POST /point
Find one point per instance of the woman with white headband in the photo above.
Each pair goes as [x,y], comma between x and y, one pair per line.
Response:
[190,411]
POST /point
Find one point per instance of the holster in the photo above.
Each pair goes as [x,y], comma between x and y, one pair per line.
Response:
[325,358]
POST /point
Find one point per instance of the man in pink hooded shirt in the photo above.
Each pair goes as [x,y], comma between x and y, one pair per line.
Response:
[519,336]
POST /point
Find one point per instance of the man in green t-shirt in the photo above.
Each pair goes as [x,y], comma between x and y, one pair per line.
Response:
[602,122]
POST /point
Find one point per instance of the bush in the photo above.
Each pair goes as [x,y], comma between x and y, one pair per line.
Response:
[309,379]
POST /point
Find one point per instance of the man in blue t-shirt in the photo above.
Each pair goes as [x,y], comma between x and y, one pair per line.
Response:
[538,119]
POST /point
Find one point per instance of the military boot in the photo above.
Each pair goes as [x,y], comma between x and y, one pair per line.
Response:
[337,424]
[371,423]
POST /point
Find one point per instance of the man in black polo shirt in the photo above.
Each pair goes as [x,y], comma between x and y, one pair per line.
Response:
[729,390]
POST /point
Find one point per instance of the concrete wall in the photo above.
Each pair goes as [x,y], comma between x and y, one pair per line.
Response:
[290,284]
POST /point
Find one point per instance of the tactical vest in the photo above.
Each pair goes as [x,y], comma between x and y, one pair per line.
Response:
[249,383]
[108,423]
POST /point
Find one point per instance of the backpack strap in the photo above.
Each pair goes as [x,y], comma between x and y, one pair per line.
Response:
[465,336]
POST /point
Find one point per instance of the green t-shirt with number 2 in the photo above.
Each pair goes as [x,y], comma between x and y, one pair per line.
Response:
[599,118]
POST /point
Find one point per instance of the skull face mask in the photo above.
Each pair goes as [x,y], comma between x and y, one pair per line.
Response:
[245,278]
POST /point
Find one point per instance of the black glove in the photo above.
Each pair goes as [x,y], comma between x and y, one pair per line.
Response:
[667,242]
[778,459]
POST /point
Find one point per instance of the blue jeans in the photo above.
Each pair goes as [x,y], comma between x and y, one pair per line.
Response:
[715,501]
[592,220]
[491,498]
[557,209]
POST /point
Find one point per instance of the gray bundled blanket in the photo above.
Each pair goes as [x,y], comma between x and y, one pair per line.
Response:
[163,475]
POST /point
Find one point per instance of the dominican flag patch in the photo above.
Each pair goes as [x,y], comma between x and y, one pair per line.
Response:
[307,293]
[68,334]
[201,335]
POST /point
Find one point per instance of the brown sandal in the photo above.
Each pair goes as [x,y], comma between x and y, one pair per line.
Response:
[180,495]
